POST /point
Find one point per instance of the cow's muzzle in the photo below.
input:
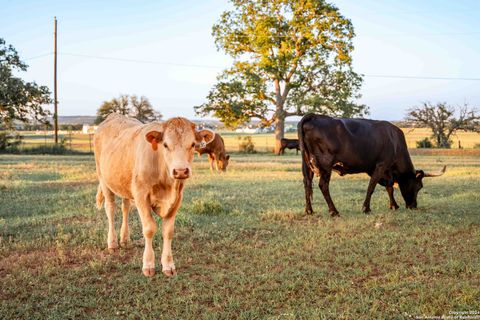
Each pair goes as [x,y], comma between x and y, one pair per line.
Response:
[181,173]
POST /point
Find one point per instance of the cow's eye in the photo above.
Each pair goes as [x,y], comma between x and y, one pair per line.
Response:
[165,145]
[193,144]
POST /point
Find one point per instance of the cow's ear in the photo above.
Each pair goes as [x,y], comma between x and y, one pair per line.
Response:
[205,135]
[154,137]
[419,174]
[228,157]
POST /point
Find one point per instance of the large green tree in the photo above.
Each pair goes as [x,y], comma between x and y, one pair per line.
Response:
[132,106]
[19,100]
[290,57]
[444,120]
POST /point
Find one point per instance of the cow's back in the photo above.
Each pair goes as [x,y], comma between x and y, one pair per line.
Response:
[357,143]
[217,146]
[115,146]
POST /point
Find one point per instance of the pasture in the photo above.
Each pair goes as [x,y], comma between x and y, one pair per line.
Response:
[263,142]
[243,246]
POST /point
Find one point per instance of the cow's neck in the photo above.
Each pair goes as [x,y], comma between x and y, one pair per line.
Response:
[166,196]
[405,167]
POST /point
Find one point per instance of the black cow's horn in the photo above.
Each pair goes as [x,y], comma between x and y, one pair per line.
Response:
[436,174]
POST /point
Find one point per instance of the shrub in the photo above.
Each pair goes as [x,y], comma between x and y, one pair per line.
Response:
[246,145]
[476,146]
[207,207]
[425,143]
[9,142]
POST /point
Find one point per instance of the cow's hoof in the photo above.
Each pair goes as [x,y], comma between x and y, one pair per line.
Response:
[169,272]
[124,244]
[112,247]
[334,214]
[308,211]
[366,210]
[148,272]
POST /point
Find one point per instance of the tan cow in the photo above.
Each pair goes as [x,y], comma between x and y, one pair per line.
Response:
[216,153]
[147,164]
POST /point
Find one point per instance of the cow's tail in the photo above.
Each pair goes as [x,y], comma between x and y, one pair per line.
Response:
[301,138]
[306,156]
[100,197]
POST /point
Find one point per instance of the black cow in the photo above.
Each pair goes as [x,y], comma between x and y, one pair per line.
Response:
[348,146]
[289,144]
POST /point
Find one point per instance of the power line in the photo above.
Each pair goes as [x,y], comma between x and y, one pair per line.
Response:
[385,76]
[441,34]
[39,56]
[419,77]
[140,61]
[413,34]
[429,12]
[417,34]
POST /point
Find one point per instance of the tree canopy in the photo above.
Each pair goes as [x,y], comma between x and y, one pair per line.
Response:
[132,106]
[444,120]
[290,57]
[19,100]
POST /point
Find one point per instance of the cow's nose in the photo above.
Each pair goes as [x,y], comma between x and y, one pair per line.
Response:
[181,173]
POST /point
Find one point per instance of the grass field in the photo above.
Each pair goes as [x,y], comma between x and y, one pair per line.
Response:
[243,247]
[263,142]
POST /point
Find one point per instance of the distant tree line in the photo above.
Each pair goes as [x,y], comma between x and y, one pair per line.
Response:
[49,126]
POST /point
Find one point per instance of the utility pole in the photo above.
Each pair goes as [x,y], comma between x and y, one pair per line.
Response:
[55,102]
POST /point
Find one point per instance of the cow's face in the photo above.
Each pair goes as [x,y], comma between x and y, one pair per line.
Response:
[410,188]
[222,162]
[412,183]
[176,141]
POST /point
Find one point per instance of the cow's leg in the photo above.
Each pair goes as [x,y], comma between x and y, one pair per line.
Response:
[297,150]
[307,183]
[393,203]
[112,241]
[324,186]
[282,150]
[149,227]
[216,163]
[124,231]
[168,266]
[211,159]
[374,179]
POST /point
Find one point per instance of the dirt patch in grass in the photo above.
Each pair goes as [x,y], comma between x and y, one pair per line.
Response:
[59,257]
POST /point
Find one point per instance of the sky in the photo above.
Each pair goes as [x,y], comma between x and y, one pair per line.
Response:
[164,50]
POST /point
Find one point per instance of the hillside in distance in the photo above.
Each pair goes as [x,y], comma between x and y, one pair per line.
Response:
[75,119]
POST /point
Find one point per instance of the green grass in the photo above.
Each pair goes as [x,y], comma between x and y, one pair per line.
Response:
[243,247]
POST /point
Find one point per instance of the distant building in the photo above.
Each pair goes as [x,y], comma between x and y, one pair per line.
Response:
[247,130]
[254,129]
[89,129]
[290,128]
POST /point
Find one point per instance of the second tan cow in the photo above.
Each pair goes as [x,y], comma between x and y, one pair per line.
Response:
[216,153]
[147,164]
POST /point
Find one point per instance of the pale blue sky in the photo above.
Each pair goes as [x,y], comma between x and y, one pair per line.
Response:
[402,38]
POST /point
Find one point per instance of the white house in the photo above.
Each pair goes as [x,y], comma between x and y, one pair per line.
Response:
[88,129]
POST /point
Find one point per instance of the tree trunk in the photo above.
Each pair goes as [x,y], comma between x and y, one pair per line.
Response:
[279,117]
[279,132]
